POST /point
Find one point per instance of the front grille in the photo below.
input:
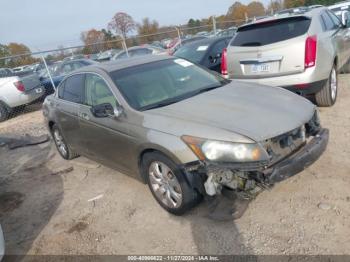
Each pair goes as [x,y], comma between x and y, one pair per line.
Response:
[283,145]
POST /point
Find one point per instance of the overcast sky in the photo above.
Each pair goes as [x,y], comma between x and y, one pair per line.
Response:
[45,24]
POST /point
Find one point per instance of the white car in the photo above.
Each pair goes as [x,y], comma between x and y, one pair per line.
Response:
[16,91]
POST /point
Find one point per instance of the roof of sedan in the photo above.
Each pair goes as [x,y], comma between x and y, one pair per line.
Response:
[124,63]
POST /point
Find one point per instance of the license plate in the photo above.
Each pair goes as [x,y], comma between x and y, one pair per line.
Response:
[38,90]
[260,68]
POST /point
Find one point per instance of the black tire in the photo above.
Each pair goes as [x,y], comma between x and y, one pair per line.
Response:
[190,197]
[68,154]
[4,113]
[325,97]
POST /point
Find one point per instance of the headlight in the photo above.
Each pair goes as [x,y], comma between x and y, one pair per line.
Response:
[222,151]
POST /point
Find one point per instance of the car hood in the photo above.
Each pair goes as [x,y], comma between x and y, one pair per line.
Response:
[251,110]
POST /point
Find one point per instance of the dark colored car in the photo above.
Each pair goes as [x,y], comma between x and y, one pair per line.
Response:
[139,51]
[60,71]
[206,52]
[107,55]
[183,42]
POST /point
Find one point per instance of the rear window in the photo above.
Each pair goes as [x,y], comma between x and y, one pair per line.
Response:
[266,33]
[193,52]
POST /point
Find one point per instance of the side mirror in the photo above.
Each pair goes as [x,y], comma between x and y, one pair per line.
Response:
[106,110]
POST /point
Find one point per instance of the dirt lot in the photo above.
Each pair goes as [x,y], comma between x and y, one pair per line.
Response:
[45,212]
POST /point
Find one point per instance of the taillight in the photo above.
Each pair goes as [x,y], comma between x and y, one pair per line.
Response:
[310,51]
[19,85]
[224,71]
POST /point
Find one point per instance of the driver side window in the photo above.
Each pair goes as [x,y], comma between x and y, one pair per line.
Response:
[97,91]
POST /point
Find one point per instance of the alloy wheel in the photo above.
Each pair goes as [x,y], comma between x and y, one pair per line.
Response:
[333,84]
[61,146]
[165,185]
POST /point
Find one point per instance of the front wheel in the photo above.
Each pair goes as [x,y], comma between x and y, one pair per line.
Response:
[167,184]
[328,94]
[61,145]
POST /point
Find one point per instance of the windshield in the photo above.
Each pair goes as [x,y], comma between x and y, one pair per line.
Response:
[163,82]
[193,52]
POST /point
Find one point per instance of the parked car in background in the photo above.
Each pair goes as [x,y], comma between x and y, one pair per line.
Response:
[206,52]
[294,10]
[157,44]
[107,55]
[202,33]
[340,7]
[184,130]
[165,42]
[74,57]
[59,70]
[183,42]
[33,67]
[5,72]
[227,32]
[21,69]
[139,51]
[173,42]
[17,91]
[301,52]
[92,56]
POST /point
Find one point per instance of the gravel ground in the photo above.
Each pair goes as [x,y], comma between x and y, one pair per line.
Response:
[45,207]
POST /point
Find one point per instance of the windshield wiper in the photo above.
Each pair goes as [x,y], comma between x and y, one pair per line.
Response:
[206,89]
[160,104]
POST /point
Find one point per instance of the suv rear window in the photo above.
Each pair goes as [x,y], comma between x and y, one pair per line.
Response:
[265,33]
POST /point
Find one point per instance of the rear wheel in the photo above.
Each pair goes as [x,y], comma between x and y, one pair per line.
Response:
[167,184]
[328,94]
[61,145]
[4,114]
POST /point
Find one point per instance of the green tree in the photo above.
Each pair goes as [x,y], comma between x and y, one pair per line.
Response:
[274,6]
[4,51]
[255,9]
[20,49]
[293,3]
[237,12]
[148,28]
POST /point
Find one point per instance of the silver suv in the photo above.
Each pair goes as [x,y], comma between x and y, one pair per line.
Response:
[301,52]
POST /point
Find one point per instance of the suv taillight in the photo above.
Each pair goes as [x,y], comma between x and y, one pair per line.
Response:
[224,71]
[310,51]
[19,85]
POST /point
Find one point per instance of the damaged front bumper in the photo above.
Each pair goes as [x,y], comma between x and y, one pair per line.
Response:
[209,178]
[300,160]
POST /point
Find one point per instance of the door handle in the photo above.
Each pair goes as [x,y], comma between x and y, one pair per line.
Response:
[84,116]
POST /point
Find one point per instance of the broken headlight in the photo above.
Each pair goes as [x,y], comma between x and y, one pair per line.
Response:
[221,151]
